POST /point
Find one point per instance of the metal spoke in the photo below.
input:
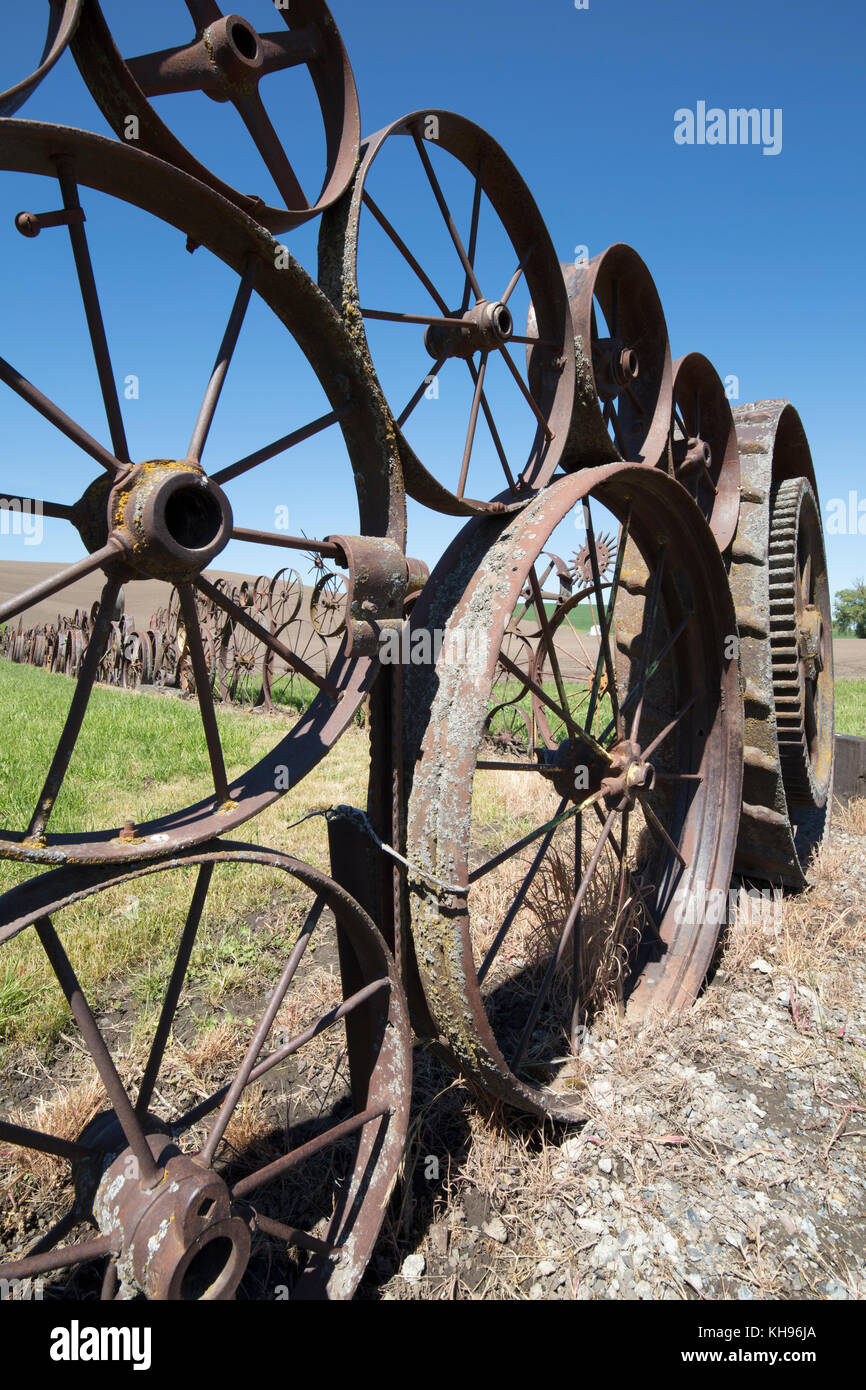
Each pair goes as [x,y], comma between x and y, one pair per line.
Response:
[92,310]
[394,316]
[570,925]
[413,400]
[38,507]
[656,826]
[279,446]
[67,1255]
[291,1235]
[519,898]
[544,623]
[446,213]
[222,364]
[533,835]
[274,1059]
[473,240]
[77,710]
[184,68]
[175,984]
[257,121]
[203,12]
[491,425]
[583,735]
[203,692]
[632,695]
[13,606]
[55,416]
[332,552]
[526,393]
[660,738]
[649,633]
[518,274]
[602,617]
[43,1143]
[126,1116]
[473,425]
[406,253]
[242,1079]
[308,1150]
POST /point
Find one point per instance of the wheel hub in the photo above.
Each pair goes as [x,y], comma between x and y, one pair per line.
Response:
[615,367]
[483,328]
[698,455]
[178,1240]
[628,776]
[233,47]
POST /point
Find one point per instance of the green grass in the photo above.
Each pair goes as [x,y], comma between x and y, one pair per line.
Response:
[851,708]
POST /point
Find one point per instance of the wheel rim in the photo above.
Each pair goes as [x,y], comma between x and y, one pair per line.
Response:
[669,957]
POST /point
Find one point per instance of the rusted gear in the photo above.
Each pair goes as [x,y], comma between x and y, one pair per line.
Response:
[605,553]
[175,1204]
[227,59]
[168,518]
[704,453]
[63,16]
[778,836]
[802,643]
[653,799]
[468,315]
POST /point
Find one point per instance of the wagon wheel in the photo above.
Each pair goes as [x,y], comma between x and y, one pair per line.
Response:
[286,1157]
[623,382]
[438,294]
[168,519]
[507,726]
[788,772]
[62,18]
[621,840]
[328,605]
[227,59]
[283,687]
[285,596]
[240,659]
[704,449]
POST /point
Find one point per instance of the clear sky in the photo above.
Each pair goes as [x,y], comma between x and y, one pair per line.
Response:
[757,257]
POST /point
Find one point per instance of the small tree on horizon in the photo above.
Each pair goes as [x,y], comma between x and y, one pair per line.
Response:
[850,614]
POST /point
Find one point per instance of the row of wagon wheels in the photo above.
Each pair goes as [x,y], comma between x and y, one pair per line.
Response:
[683,734]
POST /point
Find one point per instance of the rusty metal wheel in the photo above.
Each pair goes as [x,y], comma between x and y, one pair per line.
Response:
[778,578]
[63,17]
[328,612]
[623,389]
[282,684]
[278,1170]
[571,874]
[168,518]
[704,451]
[438,294]
[226,59]
[285,596]
[240,659]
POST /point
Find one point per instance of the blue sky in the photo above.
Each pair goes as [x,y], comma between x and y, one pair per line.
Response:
[757,258]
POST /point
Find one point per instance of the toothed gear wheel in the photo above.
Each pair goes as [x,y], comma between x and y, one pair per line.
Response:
[801,630]
[604,553]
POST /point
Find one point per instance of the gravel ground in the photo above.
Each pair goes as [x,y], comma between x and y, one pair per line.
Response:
[722,1157]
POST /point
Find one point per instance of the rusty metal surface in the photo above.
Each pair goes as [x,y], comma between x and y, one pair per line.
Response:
[623,383]
[63,17]
[227,60]
[704,453]
[474,592]
[158,1225]
[774,842]
[476,326]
